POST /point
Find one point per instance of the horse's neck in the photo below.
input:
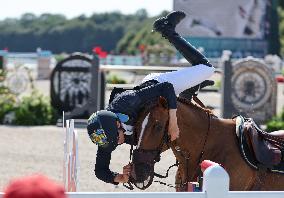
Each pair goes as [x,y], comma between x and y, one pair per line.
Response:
[218,134]
[222,136]
[193,118]
[220,145]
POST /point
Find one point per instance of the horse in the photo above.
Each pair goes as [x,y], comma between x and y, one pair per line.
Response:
[203,136]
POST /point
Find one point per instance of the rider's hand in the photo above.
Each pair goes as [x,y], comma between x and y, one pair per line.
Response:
[173,125]
[121,178]
[124,177]
[127,169]
[173,131]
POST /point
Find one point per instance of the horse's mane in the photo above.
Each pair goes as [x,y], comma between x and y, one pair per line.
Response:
[150,104]
[189,103]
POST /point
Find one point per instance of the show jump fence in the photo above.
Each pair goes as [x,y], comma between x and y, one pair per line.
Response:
[71,157]
[215,185]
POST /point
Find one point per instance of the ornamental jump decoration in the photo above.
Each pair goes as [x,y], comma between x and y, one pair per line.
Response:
[71,82]
[19,80]
[252,84]
[253,90]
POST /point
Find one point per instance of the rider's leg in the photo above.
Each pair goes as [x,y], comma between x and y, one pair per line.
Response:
[183,78]
[187,77]
[166,27]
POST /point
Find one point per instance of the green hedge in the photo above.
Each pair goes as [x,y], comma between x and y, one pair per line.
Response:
[7,99]
[114,79]
[35,109]
[7,104]
[276,123]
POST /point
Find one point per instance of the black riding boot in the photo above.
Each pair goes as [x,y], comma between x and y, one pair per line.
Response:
[166,27]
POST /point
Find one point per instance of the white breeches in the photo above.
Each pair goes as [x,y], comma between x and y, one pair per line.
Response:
[184,78]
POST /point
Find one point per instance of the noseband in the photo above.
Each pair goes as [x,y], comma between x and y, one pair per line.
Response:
[143,162]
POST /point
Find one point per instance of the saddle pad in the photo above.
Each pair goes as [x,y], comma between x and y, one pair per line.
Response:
[245,149]
[239,124]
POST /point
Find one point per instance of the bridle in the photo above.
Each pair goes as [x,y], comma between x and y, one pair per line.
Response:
[156,158]
[150,158]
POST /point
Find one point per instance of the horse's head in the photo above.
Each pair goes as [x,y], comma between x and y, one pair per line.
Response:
[151,125]
[151,134]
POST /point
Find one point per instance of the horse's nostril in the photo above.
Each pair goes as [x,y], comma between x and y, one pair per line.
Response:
[142,172]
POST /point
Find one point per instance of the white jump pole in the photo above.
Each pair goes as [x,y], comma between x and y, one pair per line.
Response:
[71,159]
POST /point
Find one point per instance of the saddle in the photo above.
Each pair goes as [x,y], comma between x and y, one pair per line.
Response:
[260,149]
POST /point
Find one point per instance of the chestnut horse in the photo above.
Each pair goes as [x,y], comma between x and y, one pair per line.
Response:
[202,136]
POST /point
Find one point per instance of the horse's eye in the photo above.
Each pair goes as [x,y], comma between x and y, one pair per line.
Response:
[158,126]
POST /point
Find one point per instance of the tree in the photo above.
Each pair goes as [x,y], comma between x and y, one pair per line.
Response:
[141,14]
[58,34]
[281,3]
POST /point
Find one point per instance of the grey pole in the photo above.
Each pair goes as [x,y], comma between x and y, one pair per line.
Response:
[226,103]
[94,100]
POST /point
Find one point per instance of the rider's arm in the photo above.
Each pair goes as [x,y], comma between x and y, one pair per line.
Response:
[168,92]
[164,89]
[102,170]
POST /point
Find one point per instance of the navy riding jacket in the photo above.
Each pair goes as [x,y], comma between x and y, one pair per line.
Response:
[130,103]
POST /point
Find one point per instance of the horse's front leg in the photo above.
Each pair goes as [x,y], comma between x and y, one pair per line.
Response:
[181,186]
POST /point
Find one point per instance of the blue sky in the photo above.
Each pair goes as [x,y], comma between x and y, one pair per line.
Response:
[72,8]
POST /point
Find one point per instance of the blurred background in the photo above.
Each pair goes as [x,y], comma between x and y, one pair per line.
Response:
[68,55]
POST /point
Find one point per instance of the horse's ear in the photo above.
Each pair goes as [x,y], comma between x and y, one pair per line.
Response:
[163,102]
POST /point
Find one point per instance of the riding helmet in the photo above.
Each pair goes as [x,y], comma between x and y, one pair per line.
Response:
[102,128]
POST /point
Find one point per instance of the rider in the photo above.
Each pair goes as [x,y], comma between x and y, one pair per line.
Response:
[113,126]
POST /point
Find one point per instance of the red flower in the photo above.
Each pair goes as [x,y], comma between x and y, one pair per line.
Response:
[97,50]
[142,47]
[103,54]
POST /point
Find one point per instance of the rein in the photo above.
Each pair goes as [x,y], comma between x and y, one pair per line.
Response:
[199,172]
[178,150]
[157,157]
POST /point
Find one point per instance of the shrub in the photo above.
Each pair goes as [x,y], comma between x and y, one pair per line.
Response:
[114,79]
[218,84]
[277,123]
[7,104]
[7,99]
[35,109]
